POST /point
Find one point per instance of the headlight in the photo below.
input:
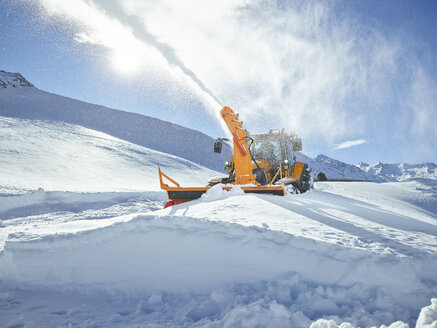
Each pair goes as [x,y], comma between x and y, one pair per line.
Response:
[227,163]
[286,161]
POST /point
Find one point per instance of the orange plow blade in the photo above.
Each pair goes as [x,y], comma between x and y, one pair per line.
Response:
[178,194]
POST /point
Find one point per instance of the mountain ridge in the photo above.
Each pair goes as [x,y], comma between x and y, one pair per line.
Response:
[401,171]
[13,80]
[21,99]
[28,102]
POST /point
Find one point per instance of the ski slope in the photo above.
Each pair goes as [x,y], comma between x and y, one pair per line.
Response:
[85,242]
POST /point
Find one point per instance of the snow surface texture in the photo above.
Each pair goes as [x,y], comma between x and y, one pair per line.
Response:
[428,315]
[32,103]
[236,261]
[95,248]
[401,171]
[66,157]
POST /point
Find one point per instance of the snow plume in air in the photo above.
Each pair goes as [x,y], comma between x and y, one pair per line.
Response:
[109,23]
[313,67]
[424,104]
[351,143]
[114,9]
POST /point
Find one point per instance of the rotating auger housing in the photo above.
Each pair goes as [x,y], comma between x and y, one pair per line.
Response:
[261,163]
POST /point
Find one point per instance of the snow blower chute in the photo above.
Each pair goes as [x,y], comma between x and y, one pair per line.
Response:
[261,163]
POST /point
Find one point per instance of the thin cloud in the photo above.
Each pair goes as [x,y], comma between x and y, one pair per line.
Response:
[350,143]
[424,104]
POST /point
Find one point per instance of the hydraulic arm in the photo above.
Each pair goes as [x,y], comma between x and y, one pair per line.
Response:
[242,159]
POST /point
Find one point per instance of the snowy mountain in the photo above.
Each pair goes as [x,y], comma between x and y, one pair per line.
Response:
[19,99]
[400,171]
[13,80]
[336,170]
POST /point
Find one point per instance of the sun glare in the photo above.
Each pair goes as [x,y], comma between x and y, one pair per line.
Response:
[126,62]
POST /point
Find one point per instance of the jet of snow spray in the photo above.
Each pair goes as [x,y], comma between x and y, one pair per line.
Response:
[113,8]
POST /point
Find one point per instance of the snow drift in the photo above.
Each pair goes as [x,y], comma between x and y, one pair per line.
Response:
[240,260]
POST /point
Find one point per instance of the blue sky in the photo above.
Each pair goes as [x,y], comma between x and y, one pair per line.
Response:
[355,79]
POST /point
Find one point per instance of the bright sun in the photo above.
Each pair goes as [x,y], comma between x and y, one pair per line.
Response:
[126,62]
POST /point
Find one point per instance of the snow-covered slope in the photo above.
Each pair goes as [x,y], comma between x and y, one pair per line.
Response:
[60,156]
[400,171]
[26,101]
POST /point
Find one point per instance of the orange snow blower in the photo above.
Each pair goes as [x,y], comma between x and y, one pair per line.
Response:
[261,164]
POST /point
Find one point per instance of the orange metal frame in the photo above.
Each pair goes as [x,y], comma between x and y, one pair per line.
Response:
[242,164]
[242,159]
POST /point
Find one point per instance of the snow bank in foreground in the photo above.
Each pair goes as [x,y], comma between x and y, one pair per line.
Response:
[428,316]
[427,319]
[240,274]
[342,255]
[249,306]
[40,201]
